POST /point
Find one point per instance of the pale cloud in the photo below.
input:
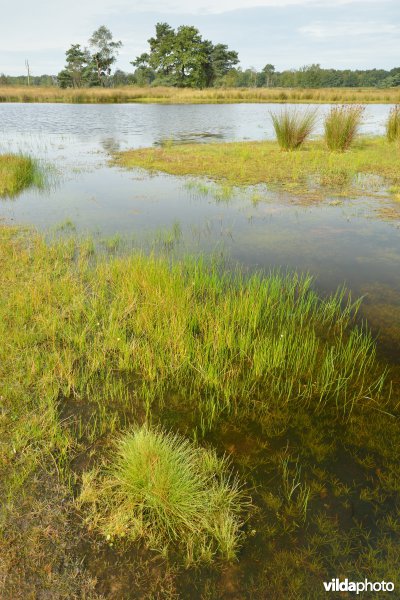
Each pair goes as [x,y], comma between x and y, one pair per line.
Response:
[322,30]
[288,33]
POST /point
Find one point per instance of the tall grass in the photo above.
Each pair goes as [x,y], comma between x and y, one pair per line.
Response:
[16,173]
[393,124]
[292,127]
[170,95]
[342,125]
[162,489]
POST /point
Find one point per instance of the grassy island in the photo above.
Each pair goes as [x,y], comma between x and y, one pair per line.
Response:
[250,163]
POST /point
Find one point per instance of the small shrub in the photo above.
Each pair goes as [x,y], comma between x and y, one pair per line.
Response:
[341,126]
[292,127]
[168,492]
[393,124]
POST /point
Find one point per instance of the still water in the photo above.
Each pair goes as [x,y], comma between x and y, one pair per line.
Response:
[338,242]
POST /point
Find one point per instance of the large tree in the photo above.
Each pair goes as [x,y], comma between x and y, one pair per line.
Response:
[105,51]
[77,69]
[182,58]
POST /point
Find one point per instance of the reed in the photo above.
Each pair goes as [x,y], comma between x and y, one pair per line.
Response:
[393,124]
[342,125]
[170,95]
[292,127]
[170,493]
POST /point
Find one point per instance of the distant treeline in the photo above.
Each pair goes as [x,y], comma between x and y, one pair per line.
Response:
[307,77]
[182,58]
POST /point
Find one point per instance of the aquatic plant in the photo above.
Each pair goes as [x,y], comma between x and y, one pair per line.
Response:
[16,173]
[170,493]
[292,127]
[393,124]
[341,126]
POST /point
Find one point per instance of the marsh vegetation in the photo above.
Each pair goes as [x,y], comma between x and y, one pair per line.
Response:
[171,95]
[17,173]
[127,379]
[183,426]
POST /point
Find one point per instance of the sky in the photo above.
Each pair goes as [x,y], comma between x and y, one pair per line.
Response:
[287,33]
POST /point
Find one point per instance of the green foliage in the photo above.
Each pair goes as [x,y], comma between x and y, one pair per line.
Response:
[85,69]
[341,126]
[393,124]
[292,127]
[163,489]
[105,51]
[182,58]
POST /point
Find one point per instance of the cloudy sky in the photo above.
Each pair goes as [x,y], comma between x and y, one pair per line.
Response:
[286,33]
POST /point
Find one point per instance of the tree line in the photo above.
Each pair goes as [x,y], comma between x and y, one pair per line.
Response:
[182,58]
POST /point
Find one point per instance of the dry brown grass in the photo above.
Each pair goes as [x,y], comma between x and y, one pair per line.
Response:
[171,95]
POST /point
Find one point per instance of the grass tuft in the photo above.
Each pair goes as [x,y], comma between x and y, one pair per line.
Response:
[17,173]
[292,127]
[393,124]
[161,488]
[341,126]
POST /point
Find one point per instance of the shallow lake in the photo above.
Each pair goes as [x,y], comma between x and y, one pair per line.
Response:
[337,240]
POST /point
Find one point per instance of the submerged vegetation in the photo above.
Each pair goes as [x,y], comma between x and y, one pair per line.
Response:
[17,173]
[250,163]
[292,128]
[393,124]
[341,126]
[172,95]
[174,358]
[161,488]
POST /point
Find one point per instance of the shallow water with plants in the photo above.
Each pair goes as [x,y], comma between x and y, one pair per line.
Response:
[240,342]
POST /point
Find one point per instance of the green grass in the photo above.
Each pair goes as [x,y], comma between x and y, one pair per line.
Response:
[17,173]
[91,344]
[393,124]
[251,163]
[341,126]
[292,128]
[162,489]
[130,333]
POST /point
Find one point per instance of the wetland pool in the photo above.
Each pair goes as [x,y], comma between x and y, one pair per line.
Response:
[339,240]
[324,490]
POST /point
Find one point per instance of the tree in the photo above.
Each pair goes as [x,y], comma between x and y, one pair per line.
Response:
[268,72]
[182,58]
[77,70]
[105,53]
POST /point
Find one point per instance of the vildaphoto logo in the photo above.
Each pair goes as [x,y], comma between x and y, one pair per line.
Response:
[335,585]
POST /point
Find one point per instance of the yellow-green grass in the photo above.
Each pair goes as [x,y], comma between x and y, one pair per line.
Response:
[170,95]
[16,173]
[161,488]
[132,333]
[88,344]
[251,163]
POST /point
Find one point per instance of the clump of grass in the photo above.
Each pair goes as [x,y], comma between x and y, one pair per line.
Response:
[17,173]
[341,126]
[292,127]
[393,124]
[168,492]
